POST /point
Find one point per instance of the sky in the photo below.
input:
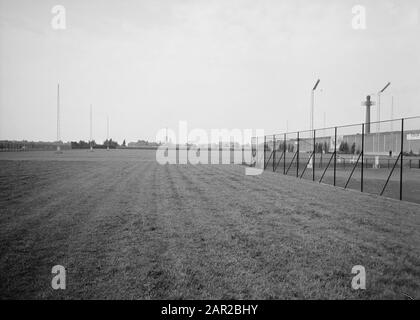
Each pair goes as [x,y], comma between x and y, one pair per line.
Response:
[216,64]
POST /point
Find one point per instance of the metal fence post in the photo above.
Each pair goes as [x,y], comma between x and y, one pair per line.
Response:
[274,152]
[264,151]
[284,155]
[256,151]
[313,160]
[401,160]
[297,156]
[363,154]
[335,153]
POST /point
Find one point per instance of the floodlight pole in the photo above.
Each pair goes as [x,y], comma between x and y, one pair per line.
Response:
[312,114]
[392,126]
[314,152]
[379,113]
[379,110]
[313,105]
[392,113]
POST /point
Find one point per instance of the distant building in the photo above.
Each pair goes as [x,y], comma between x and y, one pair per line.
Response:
[375,143]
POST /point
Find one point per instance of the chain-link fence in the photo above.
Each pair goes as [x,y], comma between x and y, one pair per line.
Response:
[381,158]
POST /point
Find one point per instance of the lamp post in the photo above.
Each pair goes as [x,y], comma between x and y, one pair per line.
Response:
[392,125]
[379,104]
[392,113]
[311,126]
[310,164]
[379,112]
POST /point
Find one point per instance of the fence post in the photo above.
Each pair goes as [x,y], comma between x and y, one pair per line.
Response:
[335,152]
[401,160]
[313,160]
[297,156]
[363,155]
[264,151]
[284,155]
[256,150]
[274,152]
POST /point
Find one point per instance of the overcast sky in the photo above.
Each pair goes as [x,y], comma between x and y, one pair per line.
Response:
[217,64]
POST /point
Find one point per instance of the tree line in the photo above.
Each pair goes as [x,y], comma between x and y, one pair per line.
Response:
[86,144]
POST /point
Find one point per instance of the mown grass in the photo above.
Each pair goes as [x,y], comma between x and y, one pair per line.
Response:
[133,229]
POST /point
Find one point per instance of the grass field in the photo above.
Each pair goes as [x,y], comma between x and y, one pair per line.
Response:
[127,227]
